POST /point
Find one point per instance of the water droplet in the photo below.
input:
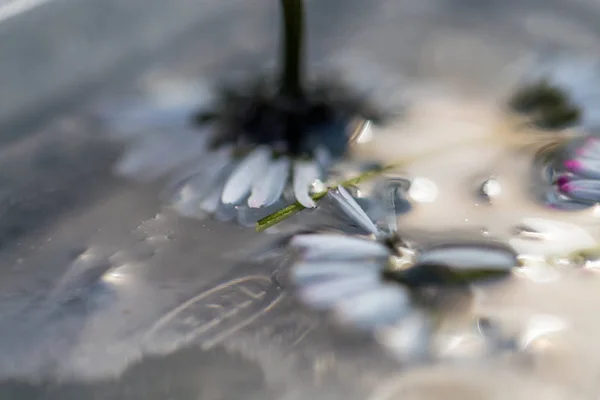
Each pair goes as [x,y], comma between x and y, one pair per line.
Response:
[423,190]
[491,188]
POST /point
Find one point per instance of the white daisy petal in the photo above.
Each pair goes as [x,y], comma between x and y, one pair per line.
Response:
[239,183]
[268,189]
[187,192]
[583,189]
[353,210]
[470,256]
[310,271]
[323,156]
[338,247]
[374,308]
[211,203]
[324,295]
[305,173]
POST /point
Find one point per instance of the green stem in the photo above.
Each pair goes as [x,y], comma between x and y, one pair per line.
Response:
[293,25]
[287,212]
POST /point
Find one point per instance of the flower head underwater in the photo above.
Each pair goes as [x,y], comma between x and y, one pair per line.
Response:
[250,152]
[373,280]
[256,147]
[573,173]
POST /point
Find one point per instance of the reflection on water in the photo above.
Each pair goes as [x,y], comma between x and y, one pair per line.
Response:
[475,170]
[188,374]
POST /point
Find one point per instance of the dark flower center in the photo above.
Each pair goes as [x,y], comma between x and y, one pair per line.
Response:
[547,105]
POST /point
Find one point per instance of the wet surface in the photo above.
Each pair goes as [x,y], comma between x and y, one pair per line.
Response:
[106,294]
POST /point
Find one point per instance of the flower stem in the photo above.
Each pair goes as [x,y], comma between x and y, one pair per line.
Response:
[293,26]
[287,212]
[296,207]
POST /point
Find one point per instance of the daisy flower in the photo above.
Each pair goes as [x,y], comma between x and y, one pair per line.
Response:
[376,280]
[574,174]
[255,148]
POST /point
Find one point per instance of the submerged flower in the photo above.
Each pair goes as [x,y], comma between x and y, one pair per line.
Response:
[582,180]
[561,93]
[573,172]
[252,144]
[375,280]
[249,153]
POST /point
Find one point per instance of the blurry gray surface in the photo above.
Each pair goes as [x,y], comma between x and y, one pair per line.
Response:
[65,221]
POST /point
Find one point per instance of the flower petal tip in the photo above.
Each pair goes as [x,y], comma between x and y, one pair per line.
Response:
[306,203]
[572,165]
[566,187]
[254,203]
[563,180]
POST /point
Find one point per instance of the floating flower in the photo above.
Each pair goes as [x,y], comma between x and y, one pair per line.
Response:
[572,174]
[374,280]
[257,147]
[582,178]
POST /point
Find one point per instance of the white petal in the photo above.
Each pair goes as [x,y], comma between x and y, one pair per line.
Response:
[209,164]
[353,210]
[211,203]
[338,247]
[240,181]
[305,173]
[560,201]
[583,189]
[310,271]
[187,193]
[470,256]
[325,295]
[378,307]
[268,189]
[323,156]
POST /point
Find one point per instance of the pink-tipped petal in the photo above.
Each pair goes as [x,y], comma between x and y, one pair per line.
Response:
[585,189]
[572,165]
[563,180]
[565,187]
[584,168]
